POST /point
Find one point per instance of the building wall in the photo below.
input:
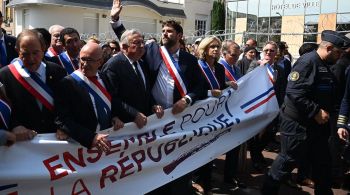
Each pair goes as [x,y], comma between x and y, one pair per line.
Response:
[142,18]
[195,9]
[241,26]
[293,24]
[326,22]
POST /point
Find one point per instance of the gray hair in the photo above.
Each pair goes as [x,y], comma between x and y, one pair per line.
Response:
[226,44]
[124,39]
[55,26]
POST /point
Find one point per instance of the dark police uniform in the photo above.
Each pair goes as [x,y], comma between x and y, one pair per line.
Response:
[311,87]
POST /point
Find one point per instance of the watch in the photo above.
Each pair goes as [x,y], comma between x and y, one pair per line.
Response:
[188,101]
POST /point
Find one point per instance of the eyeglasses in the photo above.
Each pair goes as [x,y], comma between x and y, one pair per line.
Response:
[214,46]
[86,60]
[270,50]
[138,43]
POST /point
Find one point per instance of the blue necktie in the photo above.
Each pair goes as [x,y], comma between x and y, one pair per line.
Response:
[3,57]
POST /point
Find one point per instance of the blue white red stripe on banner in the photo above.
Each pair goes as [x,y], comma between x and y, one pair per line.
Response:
[258,101]
[7,187]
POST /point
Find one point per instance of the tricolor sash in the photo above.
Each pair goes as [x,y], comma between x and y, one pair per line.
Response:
[66,62]
[174,70]
[209,75]
[5,113]
[100,94]
[51,53]
[33,84]
[229,72]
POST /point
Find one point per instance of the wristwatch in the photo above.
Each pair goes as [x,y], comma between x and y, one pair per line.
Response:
[188,101]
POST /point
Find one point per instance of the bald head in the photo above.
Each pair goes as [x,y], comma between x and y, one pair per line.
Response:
[90,59]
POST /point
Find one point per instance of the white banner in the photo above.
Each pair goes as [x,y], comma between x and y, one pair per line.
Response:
[142,159]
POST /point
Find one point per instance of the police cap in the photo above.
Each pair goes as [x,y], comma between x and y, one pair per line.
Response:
[338,40]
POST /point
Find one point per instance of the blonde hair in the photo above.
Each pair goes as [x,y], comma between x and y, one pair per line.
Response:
[203,46]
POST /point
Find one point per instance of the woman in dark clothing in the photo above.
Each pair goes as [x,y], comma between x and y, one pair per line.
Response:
[214,74]
[249,56]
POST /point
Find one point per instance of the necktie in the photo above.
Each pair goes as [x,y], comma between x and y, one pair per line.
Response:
[103,116]
[75,62]
[3,57]
[138,73]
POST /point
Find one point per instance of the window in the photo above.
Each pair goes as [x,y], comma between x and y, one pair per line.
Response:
[200,27]
[343,6]
[311,26]
[343,22]
[328,6]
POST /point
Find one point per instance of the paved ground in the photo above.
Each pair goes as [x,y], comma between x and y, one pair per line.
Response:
[254,181]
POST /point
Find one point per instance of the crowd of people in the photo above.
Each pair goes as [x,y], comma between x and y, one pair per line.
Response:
[53,82]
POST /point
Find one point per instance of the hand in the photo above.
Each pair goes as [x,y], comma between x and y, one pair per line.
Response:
[11,138]
[101,143]
[343,134]
[158,110]
[140,120]
[179,106]
[233,84]
[23,134]
[321,117]
[117,123]
[263,62]
[61,135]
[215,92]
[116,9]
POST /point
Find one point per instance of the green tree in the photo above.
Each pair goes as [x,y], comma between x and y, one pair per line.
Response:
[218,16]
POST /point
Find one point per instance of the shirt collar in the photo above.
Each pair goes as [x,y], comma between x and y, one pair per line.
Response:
[42,69]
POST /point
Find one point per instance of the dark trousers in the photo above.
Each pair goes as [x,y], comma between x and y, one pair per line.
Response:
[296,140]
[231,164]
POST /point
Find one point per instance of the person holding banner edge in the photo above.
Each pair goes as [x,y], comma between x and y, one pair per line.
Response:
[30,85]
[174,77]
[87,107]
[214,73]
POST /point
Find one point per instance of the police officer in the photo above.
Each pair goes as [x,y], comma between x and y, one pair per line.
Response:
[305,116]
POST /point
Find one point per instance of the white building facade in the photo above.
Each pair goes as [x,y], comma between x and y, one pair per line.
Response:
[91,17]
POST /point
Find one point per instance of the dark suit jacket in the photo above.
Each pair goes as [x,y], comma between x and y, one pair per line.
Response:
[25,108]
[76,115]
[188,65]
[128,87]
[10,42]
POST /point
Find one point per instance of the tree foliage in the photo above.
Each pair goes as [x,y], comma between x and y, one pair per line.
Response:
[218,15]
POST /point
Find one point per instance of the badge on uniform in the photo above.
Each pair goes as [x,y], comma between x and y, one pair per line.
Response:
[293,76]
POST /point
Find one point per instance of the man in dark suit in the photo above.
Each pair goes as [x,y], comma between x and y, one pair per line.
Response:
[165,88]
[129,78]
[69,59]
[7,46]
[30,85]
[84,103]
[175,79]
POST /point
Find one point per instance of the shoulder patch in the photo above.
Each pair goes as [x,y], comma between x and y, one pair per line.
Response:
[293,76]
